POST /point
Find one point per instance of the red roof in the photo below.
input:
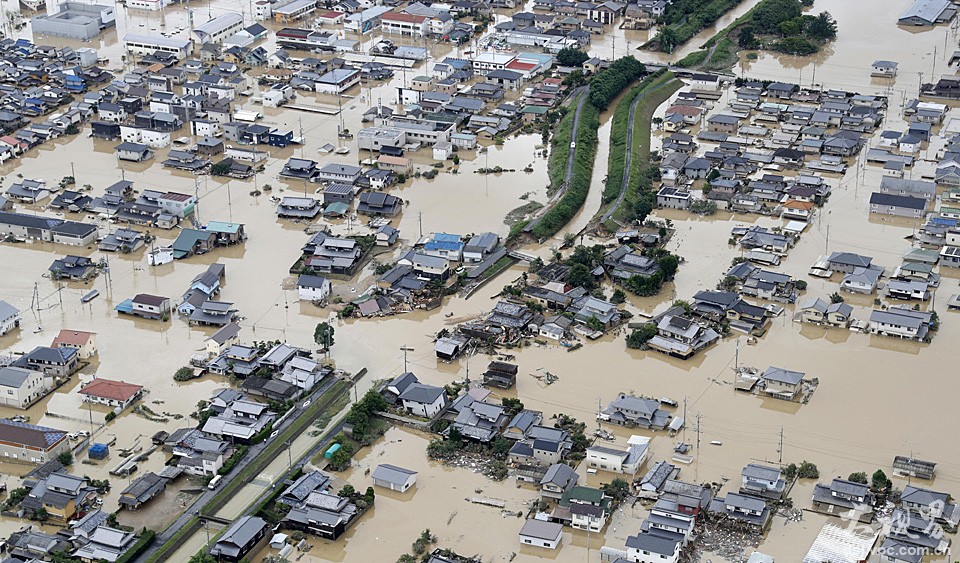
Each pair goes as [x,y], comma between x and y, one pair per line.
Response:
[399,17]
[794,204]
[330,14]
[520,65]
[176,196]
[109,389]
[71,338]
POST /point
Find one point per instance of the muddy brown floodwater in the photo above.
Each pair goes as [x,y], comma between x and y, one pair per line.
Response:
[878,397]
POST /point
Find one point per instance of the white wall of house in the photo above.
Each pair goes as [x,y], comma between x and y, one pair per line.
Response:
[424,410]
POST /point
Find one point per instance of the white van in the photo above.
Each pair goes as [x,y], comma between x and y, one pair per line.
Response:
[215,482]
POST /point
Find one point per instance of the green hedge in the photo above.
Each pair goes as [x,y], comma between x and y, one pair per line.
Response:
[146,538]
[233,460]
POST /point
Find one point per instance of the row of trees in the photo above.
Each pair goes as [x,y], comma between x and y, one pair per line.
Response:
[608,83]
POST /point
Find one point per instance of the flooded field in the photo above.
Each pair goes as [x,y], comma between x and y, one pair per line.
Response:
[878,397]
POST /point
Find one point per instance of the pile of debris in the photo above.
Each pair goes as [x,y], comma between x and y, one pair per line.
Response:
[730,544]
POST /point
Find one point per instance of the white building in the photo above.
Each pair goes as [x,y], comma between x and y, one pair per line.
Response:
[313,288]
[626,461]
[20,387]
[142,45]
[9,317]
[423,400]
[485,62]
[393,477]
[652,548]
[337,81]
[152,5]
[219,28]
[404,24]
[539,533]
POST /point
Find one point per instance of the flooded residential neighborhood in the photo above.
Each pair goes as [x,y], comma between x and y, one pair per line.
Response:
[479,281]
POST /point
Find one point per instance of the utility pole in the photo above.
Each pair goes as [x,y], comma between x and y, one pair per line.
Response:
[933,68]
[780,451]
[420,221]
[684,418]
[302,140]
[736,359]
[698,433]
[405,350]
[196,206]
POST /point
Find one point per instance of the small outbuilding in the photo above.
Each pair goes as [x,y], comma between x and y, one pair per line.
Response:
[393,477]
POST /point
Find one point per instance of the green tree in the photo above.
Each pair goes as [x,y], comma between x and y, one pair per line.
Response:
[789,28]
[183,374]
[618,296]
[879,481]
[202,558]
[568,56]
[66,458]
[746,39]
[823,27]
[512,405]
[323,334]
[668,265]
[347,491]
[500,447]
[795,46]
[340,459]
[574,79]
[640,336]
[807,470]
[618,489]
[595,324]
[222,168]
[667,39]
[836,298]
[580,276]
[858,477]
